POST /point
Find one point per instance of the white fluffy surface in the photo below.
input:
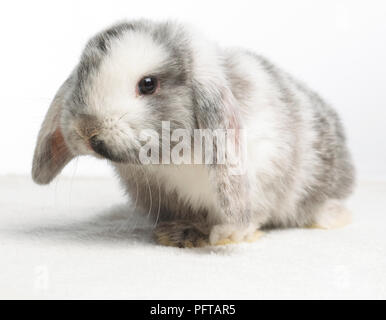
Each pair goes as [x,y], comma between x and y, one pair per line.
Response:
[78,239]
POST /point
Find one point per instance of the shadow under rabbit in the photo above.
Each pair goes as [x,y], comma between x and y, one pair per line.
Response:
[118,225]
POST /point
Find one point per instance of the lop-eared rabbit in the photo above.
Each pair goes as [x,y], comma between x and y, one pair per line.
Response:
[134,77]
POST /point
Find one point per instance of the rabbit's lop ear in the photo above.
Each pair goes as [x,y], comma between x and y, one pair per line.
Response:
[215,105]
[51,151]
[216,108]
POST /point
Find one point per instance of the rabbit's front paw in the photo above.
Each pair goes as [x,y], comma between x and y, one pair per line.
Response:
[230,233]
[181,234]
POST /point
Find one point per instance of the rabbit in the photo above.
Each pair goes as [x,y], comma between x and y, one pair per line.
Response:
[138,75]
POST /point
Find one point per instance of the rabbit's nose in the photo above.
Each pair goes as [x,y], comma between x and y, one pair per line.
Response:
[99,147]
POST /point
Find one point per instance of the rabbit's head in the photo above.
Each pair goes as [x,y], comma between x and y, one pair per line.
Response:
[130,78]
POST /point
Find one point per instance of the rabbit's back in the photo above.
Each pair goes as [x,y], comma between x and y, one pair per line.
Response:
[297,153]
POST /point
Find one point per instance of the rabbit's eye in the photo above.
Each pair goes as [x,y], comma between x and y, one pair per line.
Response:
[147,85]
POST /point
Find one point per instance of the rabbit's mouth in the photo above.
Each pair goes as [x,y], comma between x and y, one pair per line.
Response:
[104,139]
[102,150]
[100,147]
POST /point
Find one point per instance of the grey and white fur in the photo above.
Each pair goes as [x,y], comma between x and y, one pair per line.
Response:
[298,168]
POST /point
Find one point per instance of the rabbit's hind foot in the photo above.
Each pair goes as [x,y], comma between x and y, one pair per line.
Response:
[333,214]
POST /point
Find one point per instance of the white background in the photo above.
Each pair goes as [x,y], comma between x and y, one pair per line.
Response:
[338,47]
